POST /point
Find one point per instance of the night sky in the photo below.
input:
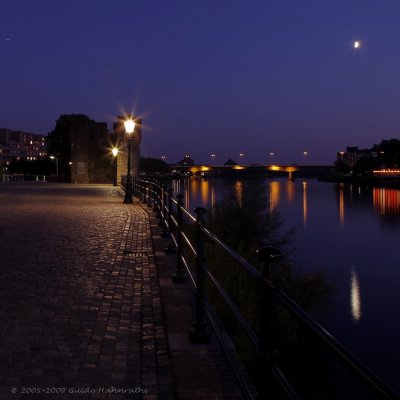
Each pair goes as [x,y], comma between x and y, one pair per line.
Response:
[209,76]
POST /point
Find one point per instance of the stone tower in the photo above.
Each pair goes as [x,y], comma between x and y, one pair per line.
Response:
[88,140]
[122,145]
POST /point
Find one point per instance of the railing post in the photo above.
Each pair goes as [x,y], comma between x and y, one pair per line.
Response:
[143,190]
[170,193]
[199,333]
[268,313]
[163,212]
[180,276]
[156,197]
[147,191]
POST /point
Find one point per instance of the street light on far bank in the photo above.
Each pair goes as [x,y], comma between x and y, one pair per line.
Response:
[129,129]
[115,155]
[271,154]
[55,158]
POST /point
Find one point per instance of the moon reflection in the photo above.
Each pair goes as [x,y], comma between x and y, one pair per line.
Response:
[355,296]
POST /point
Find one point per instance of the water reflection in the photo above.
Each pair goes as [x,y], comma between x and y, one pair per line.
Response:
[274,193]
[290,191]
[355,296]
[238,187]
[350,198]
[386,201]
[341,204]
[213,201]
[305,204]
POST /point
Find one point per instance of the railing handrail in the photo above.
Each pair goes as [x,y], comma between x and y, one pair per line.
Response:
[344,355]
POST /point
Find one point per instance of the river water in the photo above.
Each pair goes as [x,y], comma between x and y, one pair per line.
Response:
[352,234]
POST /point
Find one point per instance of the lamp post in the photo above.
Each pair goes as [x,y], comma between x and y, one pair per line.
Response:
[115,154]
[55,158]
[129,128]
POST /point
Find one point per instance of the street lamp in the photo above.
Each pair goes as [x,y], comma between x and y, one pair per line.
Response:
[55,158]
[115,154]
[129,128]
[241,155]
[305,154]
[213,157]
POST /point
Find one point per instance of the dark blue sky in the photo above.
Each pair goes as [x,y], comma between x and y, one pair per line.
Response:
[209,76]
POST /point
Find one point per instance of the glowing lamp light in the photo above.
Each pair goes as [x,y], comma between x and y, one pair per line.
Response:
[357,44]
[114,151]
[129,126]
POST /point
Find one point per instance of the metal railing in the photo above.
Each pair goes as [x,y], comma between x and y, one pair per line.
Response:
[34,178]
[22,177]
[274,375]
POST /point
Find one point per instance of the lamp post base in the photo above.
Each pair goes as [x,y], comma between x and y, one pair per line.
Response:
[128,191]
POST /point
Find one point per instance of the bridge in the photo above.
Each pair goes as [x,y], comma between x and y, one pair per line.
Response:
[204,169]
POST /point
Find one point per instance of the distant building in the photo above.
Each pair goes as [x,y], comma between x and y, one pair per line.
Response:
[353,154]
[18,144]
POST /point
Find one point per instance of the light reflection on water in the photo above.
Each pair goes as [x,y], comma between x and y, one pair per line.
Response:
[355,296]
[338,226]
[386,201]
[341,204]
[305,206]
[274,194]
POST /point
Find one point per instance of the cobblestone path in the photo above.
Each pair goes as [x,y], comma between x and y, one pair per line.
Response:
[80,300]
